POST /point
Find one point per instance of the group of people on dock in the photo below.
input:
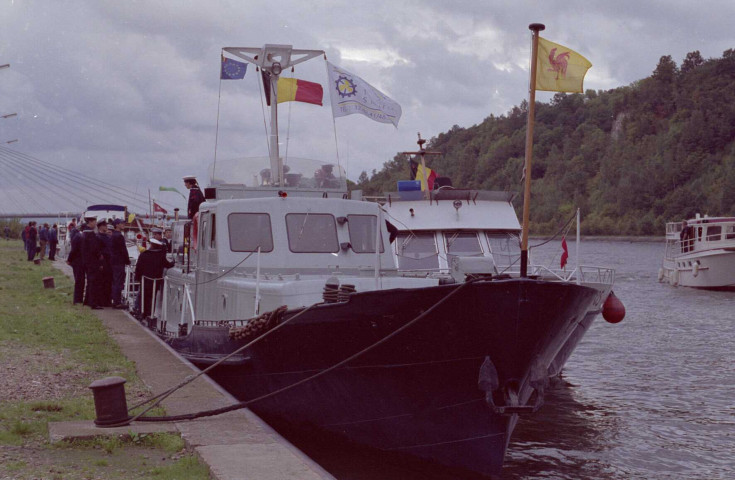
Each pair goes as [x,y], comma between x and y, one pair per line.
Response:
[98,257]
[37,241]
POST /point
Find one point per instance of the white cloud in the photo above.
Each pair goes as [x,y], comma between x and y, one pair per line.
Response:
[131,90]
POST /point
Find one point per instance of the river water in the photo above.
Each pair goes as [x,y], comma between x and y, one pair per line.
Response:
[652,397]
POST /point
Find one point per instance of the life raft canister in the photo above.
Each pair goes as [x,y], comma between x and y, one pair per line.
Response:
[613,310]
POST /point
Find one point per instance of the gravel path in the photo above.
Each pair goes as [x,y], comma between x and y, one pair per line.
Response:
[34,375]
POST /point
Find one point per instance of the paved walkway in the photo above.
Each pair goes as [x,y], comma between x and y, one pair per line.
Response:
[236,446]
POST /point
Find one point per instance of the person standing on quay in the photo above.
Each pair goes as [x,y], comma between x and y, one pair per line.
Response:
[119,258]
[92,255]
[196,197]
[31,239]
[77,264]
[7,233]
[53,241]
[149,268]
[105,241]
[43,240]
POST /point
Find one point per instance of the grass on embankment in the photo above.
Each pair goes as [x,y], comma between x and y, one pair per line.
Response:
[51,351]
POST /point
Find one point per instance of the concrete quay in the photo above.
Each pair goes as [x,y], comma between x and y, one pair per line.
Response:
[236,446]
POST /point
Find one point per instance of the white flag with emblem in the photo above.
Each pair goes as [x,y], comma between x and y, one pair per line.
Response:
[351,94]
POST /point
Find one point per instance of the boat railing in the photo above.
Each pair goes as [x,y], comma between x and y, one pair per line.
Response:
[580,274]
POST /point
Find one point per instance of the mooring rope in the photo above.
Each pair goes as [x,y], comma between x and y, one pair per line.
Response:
[162,396]
[246,403]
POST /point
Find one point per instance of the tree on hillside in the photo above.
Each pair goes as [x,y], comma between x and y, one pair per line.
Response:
[632,158]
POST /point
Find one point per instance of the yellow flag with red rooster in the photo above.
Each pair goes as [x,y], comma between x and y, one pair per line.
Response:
[558,68]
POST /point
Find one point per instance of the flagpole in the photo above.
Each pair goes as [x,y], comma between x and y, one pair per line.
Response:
[535,28]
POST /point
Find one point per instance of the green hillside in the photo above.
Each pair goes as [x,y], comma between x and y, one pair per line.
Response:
[632,158]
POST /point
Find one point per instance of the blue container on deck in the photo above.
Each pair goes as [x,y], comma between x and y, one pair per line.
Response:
[409,185]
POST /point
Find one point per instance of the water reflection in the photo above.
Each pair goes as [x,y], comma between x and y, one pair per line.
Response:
[565,439]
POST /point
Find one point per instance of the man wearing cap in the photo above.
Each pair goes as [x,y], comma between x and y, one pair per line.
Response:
[105,239]
[196,197]
[53,241]
[167,240]
[77,263]
[31,240]
[119,257]
[92,257]
[43,239]
[149,270]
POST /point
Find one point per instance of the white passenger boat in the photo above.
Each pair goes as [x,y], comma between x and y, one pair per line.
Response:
[296,285]
[700,253]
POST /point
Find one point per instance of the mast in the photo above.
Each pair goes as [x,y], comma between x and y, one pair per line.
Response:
[422,153]
[535,28]
[273,59]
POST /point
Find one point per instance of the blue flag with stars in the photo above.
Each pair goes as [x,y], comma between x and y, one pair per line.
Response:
[232,69]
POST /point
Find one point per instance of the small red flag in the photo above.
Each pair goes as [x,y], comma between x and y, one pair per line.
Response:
[565,252]
[158,208]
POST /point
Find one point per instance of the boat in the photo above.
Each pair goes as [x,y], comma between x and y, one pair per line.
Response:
[703,256]
[448,232]
[293,285]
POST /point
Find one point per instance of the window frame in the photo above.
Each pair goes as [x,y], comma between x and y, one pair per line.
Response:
[270,231]
[310,214]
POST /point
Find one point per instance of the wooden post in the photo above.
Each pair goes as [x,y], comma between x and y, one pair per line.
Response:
[535,28]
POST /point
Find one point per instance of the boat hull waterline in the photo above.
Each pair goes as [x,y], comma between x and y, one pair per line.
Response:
[419,393]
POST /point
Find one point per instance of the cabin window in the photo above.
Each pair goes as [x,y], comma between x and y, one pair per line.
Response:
[462,244]
[730,234]
[362,233]
[714,233]
[506,249]
[312,233]
[417,251]
[248,231]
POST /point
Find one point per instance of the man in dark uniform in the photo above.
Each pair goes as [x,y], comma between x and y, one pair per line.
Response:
[77,264]
[167,240]
[53,241]
[118,259]
[93,266]
[148,268]
[106,276]
[196,197]
[32,239]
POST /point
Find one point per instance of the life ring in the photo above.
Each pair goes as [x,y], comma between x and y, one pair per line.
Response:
[660,275]
[194,231]
[695,268]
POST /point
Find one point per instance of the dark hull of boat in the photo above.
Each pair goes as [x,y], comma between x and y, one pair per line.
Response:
[557,365]
[419,393]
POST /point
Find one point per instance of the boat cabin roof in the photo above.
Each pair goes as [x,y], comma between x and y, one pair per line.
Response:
[452,209]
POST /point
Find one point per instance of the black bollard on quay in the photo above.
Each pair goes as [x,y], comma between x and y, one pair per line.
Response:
[109,402]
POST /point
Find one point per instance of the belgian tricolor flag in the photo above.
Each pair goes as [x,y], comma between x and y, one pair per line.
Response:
[295,90]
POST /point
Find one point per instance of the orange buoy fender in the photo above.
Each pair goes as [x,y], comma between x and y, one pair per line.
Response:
[613,310]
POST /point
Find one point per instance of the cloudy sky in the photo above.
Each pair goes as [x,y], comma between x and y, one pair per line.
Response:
[128,91]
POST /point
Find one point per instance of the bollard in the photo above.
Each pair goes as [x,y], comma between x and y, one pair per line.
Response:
[48,282]
[109,401]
